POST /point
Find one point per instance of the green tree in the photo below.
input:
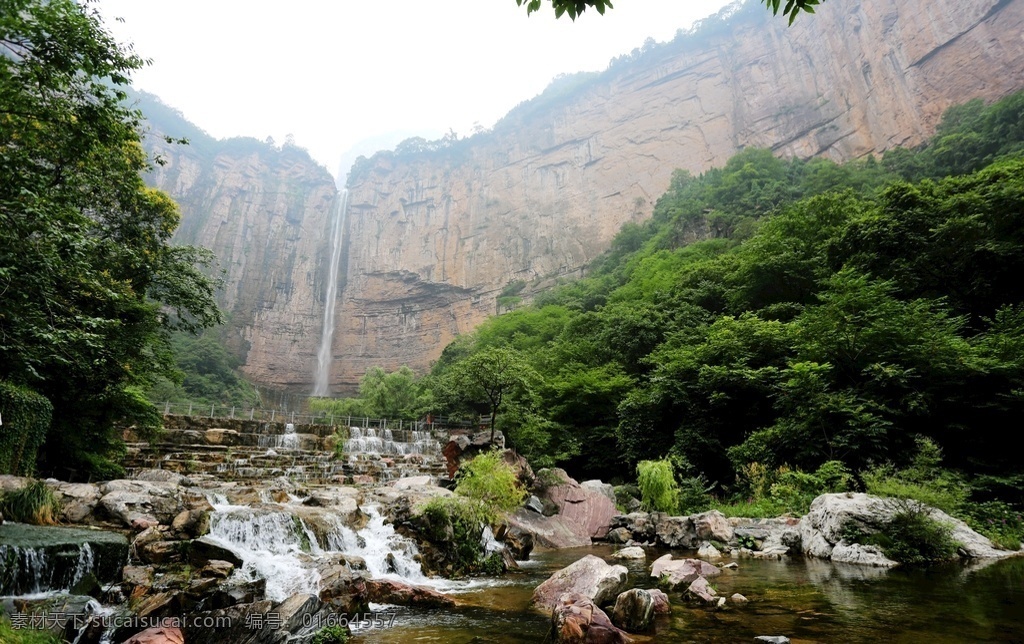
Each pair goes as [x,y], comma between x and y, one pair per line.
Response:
[574,8]
[398,394]
[91,285]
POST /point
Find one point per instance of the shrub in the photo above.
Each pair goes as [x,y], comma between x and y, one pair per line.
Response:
[491,481]
[331,635]
[659,491]
[1000,522]
[26,418]
[11,635]
[913,537]
[454,525]
[35,503]
[694,494]
[924,481]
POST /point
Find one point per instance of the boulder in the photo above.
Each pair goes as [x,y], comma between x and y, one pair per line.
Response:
[78,500]
[589,576]
[518,542]
[158,635]
[701,591]
[632,552]
[619,535]
[677,573]
[600,487]
[204,550]
[575,619]
[708,551]
[160,552]
[855,553]
[772,639]
[161,476]
[519,465]
[548,532]
[739,599]
[217,569]
[332,496]
[661,604]
[676,532]
[387,591]
[634,610]
[535,504]
[133,503]
[462,447]
[641,525]
[412,483]
[191,524]
[712,525]
[587,509]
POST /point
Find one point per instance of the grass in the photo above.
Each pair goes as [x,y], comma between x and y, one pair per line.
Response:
[11,635]
[35,503]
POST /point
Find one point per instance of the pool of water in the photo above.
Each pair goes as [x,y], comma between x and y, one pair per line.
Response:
[806,600]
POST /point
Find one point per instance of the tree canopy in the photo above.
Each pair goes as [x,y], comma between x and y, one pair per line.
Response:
[574,8]
[91,283]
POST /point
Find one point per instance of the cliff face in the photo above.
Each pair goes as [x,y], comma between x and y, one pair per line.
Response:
[434,237]
[265,213]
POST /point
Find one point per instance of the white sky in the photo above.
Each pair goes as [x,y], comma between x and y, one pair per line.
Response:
[336,72]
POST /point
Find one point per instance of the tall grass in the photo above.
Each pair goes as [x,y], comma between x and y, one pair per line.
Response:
[35,503]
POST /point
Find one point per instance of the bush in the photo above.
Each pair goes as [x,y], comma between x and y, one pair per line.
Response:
[659,491]
[35,503]
[454,525]
[26,418]
[331,635]
[924,481]
[1000,522]
[784,490]
[913,537]
[694,494]
[11,635]
[491,481]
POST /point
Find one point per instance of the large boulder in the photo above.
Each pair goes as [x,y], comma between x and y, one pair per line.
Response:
[634,610]
[576,619]
[591,507]
[387,591]
[676,532]
[680,573]
[464,446]
[640,526]
[78,500]
[137,504]
[589,576]
[712,526]
[833,515]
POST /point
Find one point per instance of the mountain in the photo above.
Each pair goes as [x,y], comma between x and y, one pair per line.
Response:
[436,232]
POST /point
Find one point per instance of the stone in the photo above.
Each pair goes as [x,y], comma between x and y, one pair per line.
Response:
[678,573]
[855,553]
[732,565]
[708,551]
[217,569]
[632,552]
[412,483]
[619,535]
[160,552]
[600,487]
[641,525]
[78,501]
[161,476]
[158,635]
[576,619]
[191,523]
[662,606]
[712,525]
[589,576]
[141,502]
[772,639]
[518,542]
[519,465]
[204,550]
[387,591]
[700,590]
[676,532]
[137,575]
[588,511]
[634,610]
[533,503]
[737,598]
[362,479]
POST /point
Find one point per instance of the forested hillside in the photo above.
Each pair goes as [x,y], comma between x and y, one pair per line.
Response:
[837,312]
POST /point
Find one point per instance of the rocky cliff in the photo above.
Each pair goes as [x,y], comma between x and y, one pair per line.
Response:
[265,211]
[434,236]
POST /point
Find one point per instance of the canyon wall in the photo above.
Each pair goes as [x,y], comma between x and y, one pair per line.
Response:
[434,236]
[264,211]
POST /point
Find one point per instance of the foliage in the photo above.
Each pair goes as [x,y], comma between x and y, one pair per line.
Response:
[923,481]
[764,492]
[913,537]
[659,491]
[454,525]
[331,635]
[35,503]
[11,635]
[694,494]
[26,417]
[397,395]
[209,374]
[572,8]
[92,286]
[487,478]
[1000,522]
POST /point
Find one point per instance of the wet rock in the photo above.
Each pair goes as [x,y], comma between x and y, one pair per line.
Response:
[772,639]
[632,552]
[855,553]
[138,503]
[137,575]
[619,535]
[677,573]
[227,594]
[662,606]
[732,565]
[332,496]
[533,503]
[162,604]
[634,610]
[641,525]
[386,591]
[217,569]
[161,476]
[708,551]
[676,532]
[700,590]
[712,525]
[158,635]
[78,501]
[575,619]
[191,524]
[739,599]
[204,550]
[589,576]
[518,542]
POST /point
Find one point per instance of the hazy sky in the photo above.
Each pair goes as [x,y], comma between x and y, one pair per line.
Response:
[335,72]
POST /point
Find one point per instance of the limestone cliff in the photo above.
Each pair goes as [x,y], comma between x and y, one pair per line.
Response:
[264,211]
[433,237]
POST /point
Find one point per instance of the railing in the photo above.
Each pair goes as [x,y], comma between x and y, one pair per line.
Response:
[198,410]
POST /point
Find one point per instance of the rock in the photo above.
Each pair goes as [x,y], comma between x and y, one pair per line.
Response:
[712,525]
[576,619]
[137,575]
[822,528]
[589,512]
[676,532]
[600,487]
[227,594]
[158,635]
[332,496]
[732,565]
[641,525]
[681,572]
[162,604]
[589,576]
[217,569]
[855,553]
[634,610]
[518,542]
[662,606]
[533,503]
[141,502]
[161,476]
[160,552]
[632,552]
[772,639]
[700,590]
[191,524]
[412,483]
[619,535]
[362,479]
[519,465]
[708,551]
[78,500]
[737,598]
[386,591]
[204,550]
[462,447]
[548,532]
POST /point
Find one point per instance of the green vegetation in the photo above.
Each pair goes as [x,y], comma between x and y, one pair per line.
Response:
[92,287]
[11,635]
[207,374]
[659,491]
[396,395]
[783,328]
[26,417]
[910,537]
[331,635]
[35,503]
[574,8]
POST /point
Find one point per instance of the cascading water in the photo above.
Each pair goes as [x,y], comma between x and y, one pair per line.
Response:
[323,358]
[367,440]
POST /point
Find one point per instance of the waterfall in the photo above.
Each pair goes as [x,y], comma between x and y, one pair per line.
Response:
[323,358]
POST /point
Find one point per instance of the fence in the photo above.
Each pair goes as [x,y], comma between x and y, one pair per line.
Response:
[317,418]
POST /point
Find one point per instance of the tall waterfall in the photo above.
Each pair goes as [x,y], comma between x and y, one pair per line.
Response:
[323,358]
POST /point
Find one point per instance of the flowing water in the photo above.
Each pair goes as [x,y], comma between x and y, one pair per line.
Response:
[806,600]
[323,358]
